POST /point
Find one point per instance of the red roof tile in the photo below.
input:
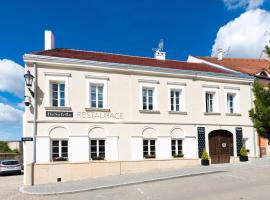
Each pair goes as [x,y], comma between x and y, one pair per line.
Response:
[126,59]
[244,65]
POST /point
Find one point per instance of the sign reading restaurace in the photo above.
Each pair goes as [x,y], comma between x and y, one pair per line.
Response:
[58,114]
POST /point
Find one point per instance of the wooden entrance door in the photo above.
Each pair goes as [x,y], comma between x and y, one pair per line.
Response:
[220,146]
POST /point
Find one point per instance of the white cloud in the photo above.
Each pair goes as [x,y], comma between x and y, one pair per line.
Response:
[11,77]
[245,35]
[247,4]
[10,114]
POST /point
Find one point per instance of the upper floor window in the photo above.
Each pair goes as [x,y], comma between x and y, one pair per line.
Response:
[230,103]
[96,96]
[58,94]
[175,100]
[209,100]
[147,98]
[60,150]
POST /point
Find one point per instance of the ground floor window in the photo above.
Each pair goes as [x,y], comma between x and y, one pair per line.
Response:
[60,150]
[177,148]
[149,148]
[97,149]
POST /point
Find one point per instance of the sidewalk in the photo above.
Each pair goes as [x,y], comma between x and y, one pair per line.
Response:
[130,179]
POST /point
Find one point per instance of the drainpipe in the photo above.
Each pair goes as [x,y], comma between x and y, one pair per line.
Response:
[254,131]
[35,127]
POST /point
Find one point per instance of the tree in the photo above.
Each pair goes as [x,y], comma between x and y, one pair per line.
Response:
[260,114]
[4,148]
[267,50]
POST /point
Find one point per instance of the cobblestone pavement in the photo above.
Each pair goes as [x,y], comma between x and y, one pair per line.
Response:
[246,181]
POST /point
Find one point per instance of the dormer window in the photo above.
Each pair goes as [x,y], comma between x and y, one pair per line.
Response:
[264,74]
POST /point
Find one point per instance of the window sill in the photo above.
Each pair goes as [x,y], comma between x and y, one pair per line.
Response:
[233,114]
[150,111]
[97,109]
[211,113]
[177,112]
[58,108]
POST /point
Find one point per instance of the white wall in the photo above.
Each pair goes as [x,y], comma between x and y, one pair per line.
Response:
[111,149]
[43,149]
[78,149]
[136,148]
[163,147]
[190,147]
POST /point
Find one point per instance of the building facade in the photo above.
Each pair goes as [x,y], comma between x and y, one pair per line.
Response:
[104,114]
[258,68]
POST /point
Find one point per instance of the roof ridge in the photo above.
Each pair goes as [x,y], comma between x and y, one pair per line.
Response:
[231,58]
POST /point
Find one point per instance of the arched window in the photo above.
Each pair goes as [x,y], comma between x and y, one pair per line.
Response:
[149,143]
[59,144]
[264,74]
[177,135]
[97,143]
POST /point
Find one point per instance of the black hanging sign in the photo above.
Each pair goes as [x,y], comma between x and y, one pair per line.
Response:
[239,139]
[25,139]
[58,114]
[201,140]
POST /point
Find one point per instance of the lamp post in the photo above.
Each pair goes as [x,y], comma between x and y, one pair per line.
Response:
[29,78]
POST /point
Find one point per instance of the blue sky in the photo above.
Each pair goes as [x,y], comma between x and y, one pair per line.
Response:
[120,26]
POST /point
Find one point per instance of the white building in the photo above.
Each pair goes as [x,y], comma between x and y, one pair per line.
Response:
[104,114]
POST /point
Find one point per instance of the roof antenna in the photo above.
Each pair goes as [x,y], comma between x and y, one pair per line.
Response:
[159,53]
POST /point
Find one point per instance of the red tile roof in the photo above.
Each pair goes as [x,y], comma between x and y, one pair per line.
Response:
[244,65]
[126,59]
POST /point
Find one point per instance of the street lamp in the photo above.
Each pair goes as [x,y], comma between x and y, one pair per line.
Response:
[28,77]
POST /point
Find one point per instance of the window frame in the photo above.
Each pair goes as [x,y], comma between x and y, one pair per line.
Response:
[56,78]
[236,93]
[96,80]
[149,154]
[176,146]
[152,86]
[215,92]
[58,94]
[97,148]
[60,153]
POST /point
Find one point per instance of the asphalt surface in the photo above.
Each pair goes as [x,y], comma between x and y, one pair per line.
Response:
[247,181]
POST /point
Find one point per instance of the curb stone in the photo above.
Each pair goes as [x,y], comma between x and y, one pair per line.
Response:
[24,190]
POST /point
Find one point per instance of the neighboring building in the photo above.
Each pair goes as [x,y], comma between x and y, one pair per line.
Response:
[259,68]
[136,113]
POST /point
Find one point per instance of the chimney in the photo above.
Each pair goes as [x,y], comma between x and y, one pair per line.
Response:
[159,53]
[220,54]
[49,40]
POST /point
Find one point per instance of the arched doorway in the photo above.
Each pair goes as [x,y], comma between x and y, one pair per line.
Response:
[220,146]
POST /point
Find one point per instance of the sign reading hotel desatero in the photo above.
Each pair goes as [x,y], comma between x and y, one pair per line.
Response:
[25,139]
[58,114]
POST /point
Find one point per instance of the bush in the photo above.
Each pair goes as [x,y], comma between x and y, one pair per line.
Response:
[4,148]
[243,151]
[205,155]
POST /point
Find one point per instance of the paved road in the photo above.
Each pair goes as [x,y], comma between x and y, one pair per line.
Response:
[242,182]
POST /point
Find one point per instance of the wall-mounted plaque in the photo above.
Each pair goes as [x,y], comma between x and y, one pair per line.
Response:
[58,114]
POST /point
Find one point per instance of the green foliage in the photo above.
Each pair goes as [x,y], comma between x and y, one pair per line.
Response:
[243,151]
[267,49]
[260,114]
[4,148]
[205,155]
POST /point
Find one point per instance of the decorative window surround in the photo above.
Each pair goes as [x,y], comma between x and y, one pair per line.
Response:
[236,104]
[97,77]
[215,92]
[57,74]
[176,83]
[210,86]
[58,108]
[181,87]
[56,78]
[177,112]
[231,88]
[96,80]
[97,110]
[148,81]
[152,86]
